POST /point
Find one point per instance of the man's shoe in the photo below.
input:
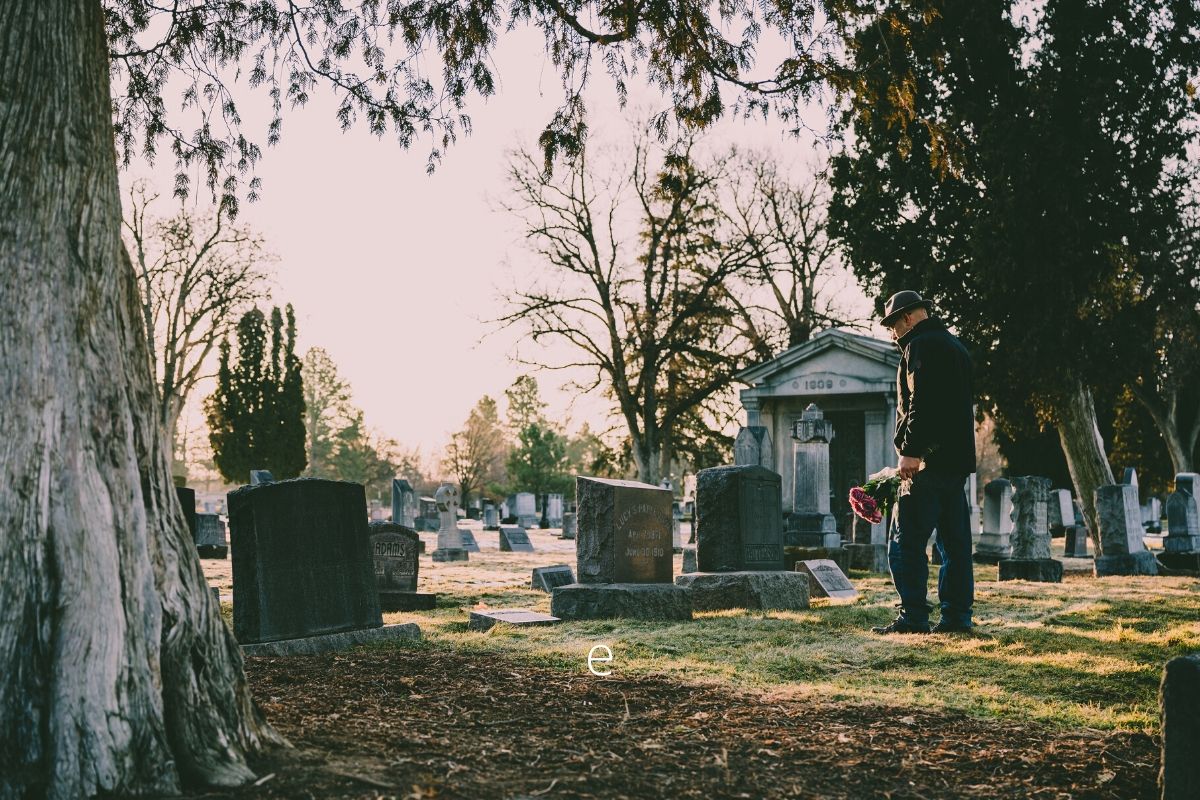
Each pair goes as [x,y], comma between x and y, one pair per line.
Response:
[951,627]
[901,625]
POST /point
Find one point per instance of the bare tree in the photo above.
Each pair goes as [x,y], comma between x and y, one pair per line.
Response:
[647,314]
[198,273]
[475,454]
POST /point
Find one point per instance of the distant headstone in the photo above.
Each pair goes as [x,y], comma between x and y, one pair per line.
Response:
[428,518]
[404,503]
[868,548]
[514,539]
[1062,511]
[396,550]
[526,510]
[554,510]
[302,562]
[1030,538]
[1181,547]
[187,501]
[1152,515]
[997,523]
[570,525]
[811,524]
[826,579]
[753,447]
[1076,542]
[449,538]
[487,619]
[546,579]
[210,536]
[1122,551]
[468,540]
[1179,704]
[1129,477]
[971,487]
[261,476]
[740,525]
[491,518]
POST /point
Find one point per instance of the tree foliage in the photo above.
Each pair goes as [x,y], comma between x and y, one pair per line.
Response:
[475,455]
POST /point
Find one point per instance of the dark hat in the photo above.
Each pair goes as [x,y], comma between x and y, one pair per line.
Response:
[901,303]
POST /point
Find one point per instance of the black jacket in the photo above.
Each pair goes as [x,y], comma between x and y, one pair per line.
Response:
[934,417]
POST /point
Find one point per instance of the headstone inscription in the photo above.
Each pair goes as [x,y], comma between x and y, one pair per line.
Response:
[1179,704]
[396,550]
[302,562]
[449,538]
[811,524]
[514,539]
[623,555]
[739,535]
[1030,539]
[997,523]
[210,536]
[546,579]
[826,579]
[404,503]
[1122,551]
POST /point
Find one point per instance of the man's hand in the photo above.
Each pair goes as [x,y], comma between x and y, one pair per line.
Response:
[909,466]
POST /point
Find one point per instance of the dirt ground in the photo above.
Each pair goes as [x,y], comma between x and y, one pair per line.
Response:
[428,722]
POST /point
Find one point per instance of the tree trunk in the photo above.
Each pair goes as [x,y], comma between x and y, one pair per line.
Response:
[1166,419]
[1079,436]
[117,673]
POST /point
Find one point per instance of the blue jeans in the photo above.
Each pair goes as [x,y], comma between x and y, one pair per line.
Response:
[936,501]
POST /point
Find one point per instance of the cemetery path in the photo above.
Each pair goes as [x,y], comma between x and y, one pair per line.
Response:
[428,722]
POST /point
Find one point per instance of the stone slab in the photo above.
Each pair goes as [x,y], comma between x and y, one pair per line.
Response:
[826,579]
[1038,570]
[767,591]
[333,642]
[407,601]
[546,579]
[1179,705]
[486,620]
[651,601]
[1141,563]
[794,555]
[514,539]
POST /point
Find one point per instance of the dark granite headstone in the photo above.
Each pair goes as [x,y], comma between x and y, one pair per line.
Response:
[1076,545]
[514,539]
[395,550]
[187,499]
[1179,702]
[468,540]
[210,536]
[740,525]
[826,579]
[624,532]
[302,561]
[547,578]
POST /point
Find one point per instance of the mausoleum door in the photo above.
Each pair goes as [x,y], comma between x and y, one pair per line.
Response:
[847,463]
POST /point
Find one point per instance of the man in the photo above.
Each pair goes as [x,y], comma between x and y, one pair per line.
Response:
[935,439]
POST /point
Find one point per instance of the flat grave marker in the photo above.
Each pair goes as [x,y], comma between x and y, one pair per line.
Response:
[826,579]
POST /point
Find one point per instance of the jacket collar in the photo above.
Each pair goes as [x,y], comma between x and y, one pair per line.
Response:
[929,324]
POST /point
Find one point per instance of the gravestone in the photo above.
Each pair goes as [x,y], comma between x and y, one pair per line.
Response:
[1181,547]
[404,503]
[1062,512]
[1122,551]
[739,543]
[449,538]
[526,510]
[187,500]
[753,448]
[867,549]
[689,561]
[811,524]
[491,518]
[1076,542]
[1152,511]
[396,549]
[826,579]
[521,617]
[1179,707]
[623,555]
[514,539]
[261,476]
[468,540]
[997,523]
[1030,538]
[546,579]
[428,518]
[570,525]
[554,510]
[302,562]
[210,536]
[1129,477]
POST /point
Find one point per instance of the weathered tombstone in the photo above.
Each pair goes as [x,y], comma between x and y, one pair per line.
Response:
[570,525]
[302,563]
[514,539]
[187,500]
[753,447]
[1152,515]
[554,510]
[997,523]
[739,543]
[396,549]
[1181,547]
[623,555]
[449,538]
[491,518]
[546,579]
[1122,551]
[261,476]
[1129,477]
[526,510]
[1030,538]
[404,503]
[1076,542]
[826,579]
[429,518]
[210,536]
[1179,705]
[810,524]
[468,540]
[520,617]
[1062,512]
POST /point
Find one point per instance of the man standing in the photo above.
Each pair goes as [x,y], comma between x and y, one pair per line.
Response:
[935,438]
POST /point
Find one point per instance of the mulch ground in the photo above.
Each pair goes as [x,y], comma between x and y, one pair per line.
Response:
[444,724]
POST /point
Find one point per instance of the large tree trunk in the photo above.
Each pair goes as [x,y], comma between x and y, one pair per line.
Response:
[117,673]
[1079,436]
[1166,419]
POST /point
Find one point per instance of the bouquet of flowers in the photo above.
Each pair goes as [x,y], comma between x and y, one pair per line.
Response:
[877,496]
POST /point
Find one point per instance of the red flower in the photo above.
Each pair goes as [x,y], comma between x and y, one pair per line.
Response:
[865,506]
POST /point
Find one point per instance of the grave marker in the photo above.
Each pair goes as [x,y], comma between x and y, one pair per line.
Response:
[826,579]
[210,536]
[1122,551]
[1030,539]
[487,619]
[547,579]
[395,549]
[514,539]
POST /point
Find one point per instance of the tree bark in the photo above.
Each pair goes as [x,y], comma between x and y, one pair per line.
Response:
[117,673]
[1079,436]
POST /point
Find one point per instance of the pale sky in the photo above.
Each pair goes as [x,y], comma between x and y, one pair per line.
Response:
[394,271]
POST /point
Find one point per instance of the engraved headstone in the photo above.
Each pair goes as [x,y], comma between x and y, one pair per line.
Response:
[546,579]
[1030,538]
[753,447]
[260,476]
[210,536]
[396,550]
[404,503]
[449,538]
[302,562]
[740,525]
[514,539]
[826,579]
[997,522]
[1122,551]
[1181,546]
[811,524]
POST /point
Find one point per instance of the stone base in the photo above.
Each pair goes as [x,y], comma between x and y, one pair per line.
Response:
[213,551]
[664,601]
[869,557]
[715,591]
[1143,563]
[451,554]
[1039,570]
[1179,545]
[332,642]
[838,555]
[1187,564]
[407,601]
